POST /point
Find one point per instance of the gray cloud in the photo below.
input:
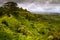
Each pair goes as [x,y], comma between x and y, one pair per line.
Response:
[34,1]
[18,1]
[55,2]
[37,5]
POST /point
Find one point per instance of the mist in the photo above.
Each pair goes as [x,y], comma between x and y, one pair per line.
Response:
[37,5]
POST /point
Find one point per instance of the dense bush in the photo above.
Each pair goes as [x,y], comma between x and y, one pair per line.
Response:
[20,24]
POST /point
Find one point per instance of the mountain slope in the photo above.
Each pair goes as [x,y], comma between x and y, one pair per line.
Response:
[23,25]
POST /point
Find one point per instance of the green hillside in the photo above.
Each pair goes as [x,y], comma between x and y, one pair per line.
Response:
[20,24]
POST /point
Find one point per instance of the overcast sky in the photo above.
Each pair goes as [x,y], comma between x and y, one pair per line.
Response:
[37,5]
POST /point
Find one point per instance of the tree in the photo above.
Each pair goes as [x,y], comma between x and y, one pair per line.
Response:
[1,11]
[10,6]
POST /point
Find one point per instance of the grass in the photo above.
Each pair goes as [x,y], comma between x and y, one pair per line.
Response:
[27,26]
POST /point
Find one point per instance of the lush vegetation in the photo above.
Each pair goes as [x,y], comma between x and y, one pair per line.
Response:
[19,24]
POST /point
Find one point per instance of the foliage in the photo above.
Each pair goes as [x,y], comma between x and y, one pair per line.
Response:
[20,24]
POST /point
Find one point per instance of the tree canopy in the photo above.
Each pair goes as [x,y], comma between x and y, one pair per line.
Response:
[10,4]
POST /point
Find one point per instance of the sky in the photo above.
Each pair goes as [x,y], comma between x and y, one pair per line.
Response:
[37,5]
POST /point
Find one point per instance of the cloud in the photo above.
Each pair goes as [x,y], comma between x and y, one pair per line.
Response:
[38,5]
[55,2]
[40,8]
[34,1]
[17,1]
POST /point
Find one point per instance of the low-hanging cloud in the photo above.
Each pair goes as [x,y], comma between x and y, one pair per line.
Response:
[37,5]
